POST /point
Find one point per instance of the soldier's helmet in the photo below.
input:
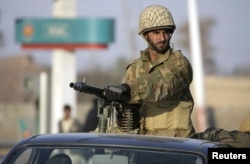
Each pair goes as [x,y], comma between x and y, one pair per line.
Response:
[155,17]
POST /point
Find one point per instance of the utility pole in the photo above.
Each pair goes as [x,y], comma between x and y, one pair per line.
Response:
[196,55]
[63,69]
[43,119]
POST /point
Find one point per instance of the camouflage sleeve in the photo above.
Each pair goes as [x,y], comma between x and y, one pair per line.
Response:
[129,78]
[165,81]
[177,76]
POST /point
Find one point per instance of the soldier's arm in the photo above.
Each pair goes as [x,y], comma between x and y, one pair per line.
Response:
[129,78]
[176,77]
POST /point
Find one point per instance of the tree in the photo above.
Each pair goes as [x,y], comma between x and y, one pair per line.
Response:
[206,25]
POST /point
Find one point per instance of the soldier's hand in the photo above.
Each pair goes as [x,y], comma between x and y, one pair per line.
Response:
[120,93]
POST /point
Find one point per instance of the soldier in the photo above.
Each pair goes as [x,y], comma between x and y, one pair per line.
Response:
[159,79]
[233,138]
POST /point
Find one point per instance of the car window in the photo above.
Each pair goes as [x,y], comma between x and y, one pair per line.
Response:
[24,157]
[98,155]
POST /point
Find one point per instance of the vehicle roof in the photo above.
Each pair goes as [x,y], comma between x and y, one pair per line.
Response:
[123,140]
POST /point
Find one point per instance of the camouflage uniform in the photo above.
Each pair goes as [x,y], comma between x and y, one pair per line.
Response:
[234,138]
[163,89]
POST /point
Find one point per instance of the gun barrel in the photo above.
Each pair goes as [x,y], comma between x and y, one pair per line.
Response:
[72,85]
[77,86]
[82,87]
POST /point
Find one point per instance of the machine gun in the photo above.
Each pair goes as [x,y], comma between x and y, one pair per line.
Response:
[113,116]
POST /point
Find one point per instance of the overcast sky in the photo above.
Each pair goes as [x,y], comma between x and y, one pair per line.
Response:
[230,35]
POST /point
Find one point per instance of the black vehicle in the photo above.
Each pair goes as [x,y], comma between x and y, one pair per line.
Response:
[107,148]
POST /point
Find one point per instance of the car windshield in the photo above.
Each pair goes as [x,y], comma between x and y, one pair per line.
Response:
[98,155]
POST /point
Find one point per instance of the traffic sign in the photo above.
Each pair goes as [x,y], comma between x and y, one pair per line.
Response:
[67,33]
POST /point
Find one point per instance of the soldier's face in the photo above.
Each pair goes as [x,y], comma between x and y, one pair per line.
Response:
[159,39]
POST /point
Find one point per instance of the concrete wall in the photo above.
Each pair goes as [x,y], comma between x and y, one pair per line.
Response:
[11,115]
[228,100]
